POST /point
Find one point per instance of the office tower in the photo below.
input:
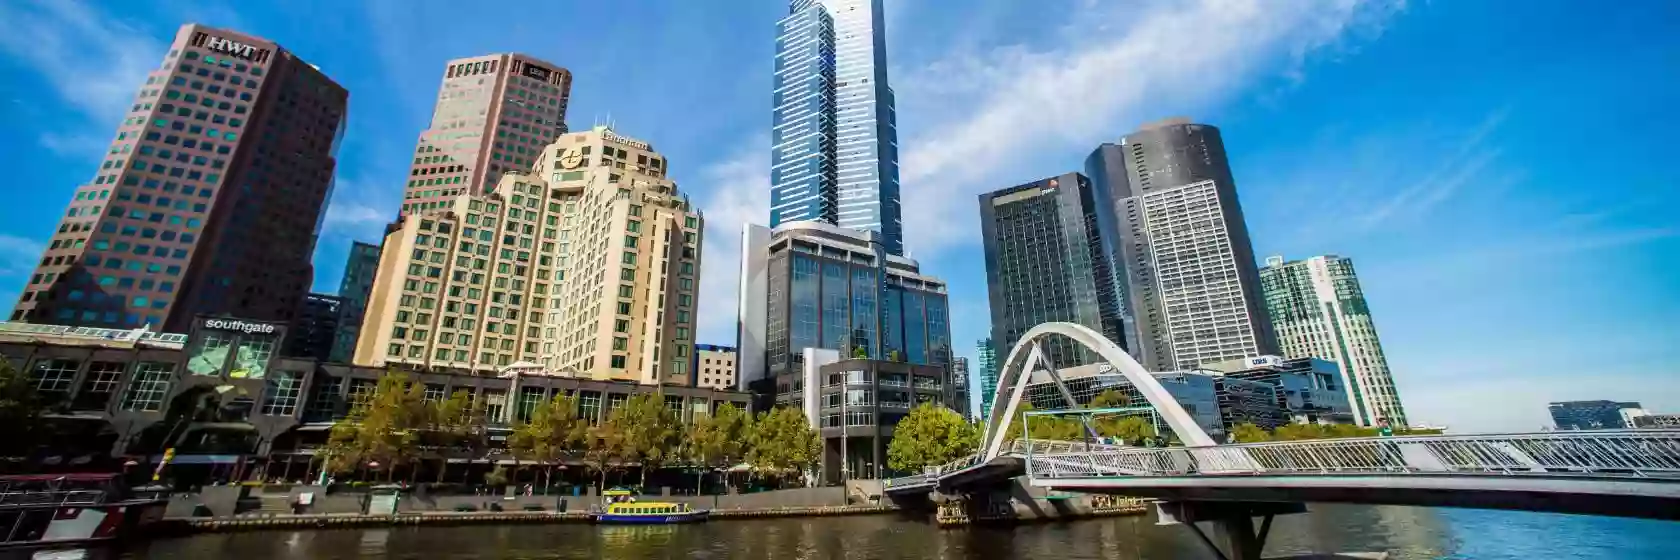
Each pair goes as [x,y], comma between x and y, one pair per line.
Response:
[988,378]
[314,329]
[495,113]
[959,385]
[714,366]
[813,285]
[1591,415]
[1318,310]
[834,152]
[1190,283]
[354,290]
[586,265]
[210,198]
[1048,259]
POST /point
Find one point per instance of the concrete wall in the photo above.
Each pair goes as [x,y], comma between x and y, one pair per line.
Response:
[353,502]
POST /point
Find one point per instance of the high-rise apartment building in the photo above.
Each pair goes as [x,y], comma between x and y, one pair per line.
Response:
[586,265]
[209,200]
[1048,258]
[354,289]
[834,148]
[714,366]
[1318,311]
[986,355]
[1190,282]
[813,285]
[495,113]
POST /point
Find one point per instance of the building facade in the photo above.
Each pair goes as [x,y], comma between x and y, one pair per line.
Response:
[1657,421]
[1590,415]
[495,113]
[1197,393]
[856,403]
[1318,310]
[315,328]
[1190,285]
[813,285]
[834,152]
[354,290]
[1309,390]
[1048,258]
[209,200]
[714,366]
[586,264]
[986,355]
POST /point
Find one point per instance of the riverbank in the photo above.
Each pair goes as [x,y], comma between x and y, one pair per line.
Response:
[261,522]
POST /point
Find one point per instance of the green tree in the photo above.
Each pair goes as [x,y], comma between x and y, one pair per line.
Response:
[20,411]
[1110,399]
[782,441]
[716,440]
[648,429]
[385,428]
[1043,427]
[1249,433]
[498,476]
[554,431]
[1129,429]
[603,449]
[458,429]
[860,353]
[930,435]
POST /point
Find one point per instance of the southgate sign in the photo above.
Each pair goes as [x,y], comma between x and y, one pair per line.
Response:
[238,325]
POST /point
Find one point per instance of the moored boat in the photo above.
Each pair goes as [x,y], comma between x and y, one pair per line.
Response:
[66,510]
[621,508]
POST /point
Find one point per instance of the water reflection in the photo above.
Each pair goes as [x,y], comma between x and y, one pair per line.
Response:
[1406,533]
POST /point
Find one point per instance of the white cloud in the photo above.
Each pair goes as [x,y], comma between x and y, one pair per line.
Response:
[1454,171]
[738,193]
[18,256]
[357,211]
[110,57]
[994,112]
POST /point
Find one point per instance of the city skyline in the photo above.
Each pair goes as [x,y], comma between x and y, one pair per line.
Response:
[1469,154]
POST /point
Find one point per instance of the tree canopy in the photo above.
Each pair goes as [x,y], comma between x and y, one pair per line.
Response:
[553,431]
[20,411]
[930,435]
[781,441]
[649,430]
[385,428]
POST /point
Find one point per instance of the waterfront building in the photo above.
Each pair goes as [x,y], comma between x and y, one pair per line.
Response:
[1590,415]
[1184,261]
[1318,310]
[208,201]
[1309,390]
[354,289]
[959,381]
[856,403]
[714,366]
[988,375]
[250,405]
[813,285]
[587,264]
[1048,258]
[834,141]
[1197,392]
[314,329]
[1657,421]
[495,113]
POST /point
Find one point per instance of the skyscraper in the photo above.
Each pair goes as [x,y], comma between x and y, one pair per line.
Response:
[1190,282]
[209,200]
[495,113]
[354,290]
[834,152]
[1048,259]
[1591,415]
[988,374]
[1318,311]
[587,265]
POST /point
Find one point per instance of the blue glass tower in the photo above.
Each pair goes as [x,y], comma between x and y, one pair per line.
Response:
[834,153]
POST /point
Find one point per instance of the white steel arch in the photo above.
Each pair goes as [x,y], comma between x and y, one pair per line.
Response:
[1016,371]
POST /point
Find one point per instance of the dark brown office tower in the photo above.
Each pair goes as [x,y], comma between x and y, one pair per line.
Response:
[210,198]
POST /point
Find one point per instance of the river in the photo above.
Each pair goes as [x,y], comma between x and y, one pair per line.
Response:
[1407,533]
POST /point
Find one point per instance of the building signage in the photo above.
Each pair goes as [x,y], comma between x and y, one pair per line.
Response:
[610,137]
[1265,361]
[537,72]
[238,325]
[232,47]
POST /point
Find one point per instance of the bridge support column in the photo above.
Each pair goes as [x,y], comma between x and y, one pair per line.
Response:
[1232,523]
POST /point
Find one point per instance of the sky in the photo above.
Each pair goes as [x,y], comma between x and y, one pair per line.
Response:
[1496,170]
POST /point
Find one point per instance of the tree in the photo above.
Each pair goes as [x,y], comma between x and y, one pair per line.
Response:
[1110,399]
[860,353]
[1129,429]
[384,428]
[1043,427]
[716,440]
[20,411]
[649,431]
[603,448]
[553,432]
[1249,433]
[782,441]
[930,435]
[457,428]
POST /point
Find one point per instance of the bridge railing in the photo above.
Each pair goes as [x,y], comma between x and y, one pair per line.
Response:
[1625,453]
[1016,447]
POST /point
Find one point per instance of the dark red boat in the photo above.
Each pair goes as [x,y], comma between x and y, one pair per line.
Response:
[70,510]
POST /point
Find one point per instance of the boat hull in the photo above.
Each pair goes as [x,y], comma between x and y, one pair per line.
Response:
[650,519]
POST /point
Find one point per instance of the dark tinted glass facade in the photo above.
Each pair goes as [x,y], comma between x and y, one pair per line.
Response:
[1047,259]
[355,289]
[210,198]
[315,328]
[1590,415]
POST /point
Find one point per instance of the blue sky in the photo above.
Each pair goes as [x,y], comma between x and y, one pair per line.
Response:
[1498,171]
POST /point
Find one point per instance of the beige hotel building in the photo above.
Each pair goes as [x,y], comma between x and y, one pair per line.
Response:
[587,266]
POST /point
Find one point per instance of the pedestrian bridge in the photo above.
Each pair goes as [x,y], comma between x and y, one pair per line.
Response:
[1610,472]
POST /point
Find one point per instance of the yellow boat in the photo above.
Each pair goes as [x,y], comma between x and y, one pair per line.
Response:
[623,509]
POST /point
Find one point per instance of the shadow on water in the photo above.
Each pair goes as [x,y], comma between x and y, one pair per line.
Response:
[1406,533]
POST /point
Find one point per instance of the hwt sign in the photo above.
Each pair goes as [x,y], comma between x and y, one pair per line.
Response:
[230,46]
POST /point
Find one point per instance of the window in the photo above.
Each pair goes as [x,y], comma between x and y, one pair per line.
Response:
[53,377]
[211,355]
[618,362]
[150,384]
[252,359]
[281,396]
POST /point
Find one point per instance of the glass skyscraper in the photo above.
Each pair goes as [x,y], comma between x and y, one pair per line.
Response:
[834,152]
[988,377]
[1318,310]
